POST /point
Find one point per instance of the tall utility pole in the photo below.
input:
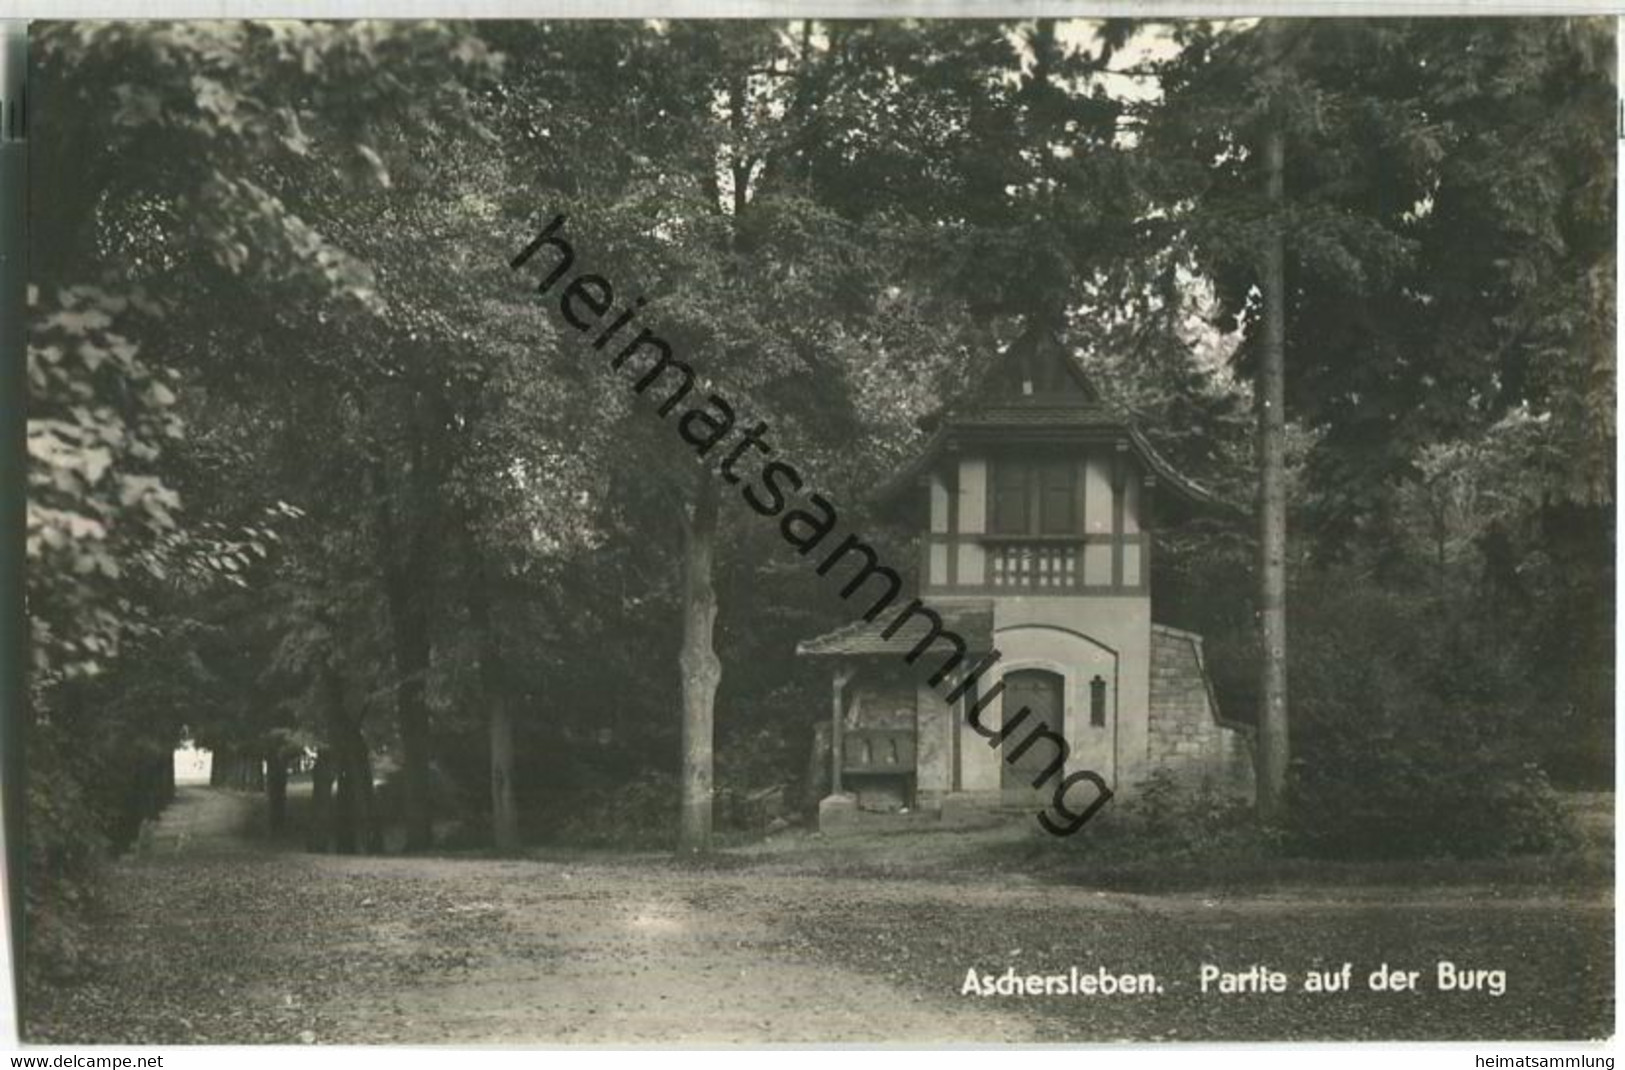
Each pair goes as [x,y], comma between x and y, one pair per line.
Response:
[1273,745]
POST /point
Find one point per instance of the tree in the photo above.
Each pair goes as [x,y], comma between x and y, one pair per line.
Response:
[160,179]
[710,266]
[1232,100]
[1435,281]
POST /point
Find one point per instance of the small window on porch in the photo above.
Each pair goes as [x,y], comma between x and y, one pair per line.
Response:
[1097,702]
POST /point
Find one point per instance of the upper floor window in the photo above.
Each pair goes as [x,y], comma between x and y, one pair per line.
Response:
[1009,498]
[1035,498]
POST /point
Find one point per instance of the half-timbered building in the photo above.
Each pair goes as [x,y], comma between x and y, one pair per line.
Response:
[1037,508]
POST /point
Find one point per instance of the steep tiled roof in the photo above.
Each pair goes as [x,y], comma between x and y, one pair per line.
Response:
[904,481]
[1073,412]
[1040,415]
[972,621]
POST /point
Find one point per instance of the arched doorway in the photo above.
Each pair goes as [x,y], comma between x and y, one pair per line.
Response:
[1043,693]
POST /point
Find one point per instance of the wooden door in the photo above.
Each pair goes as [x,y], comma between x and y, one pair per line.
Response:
[1042,693]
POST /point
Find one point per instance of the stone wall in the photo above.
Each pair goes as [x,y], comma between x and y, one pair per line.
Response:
[1185,735]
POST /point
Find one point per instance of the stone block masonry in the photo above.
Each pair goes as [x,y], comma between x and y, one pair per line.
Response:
[1187,737]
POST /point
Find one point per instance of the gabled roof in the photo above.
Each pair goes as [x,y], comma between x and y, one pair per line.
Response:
[1038,355]
[971,620]
[1062,404]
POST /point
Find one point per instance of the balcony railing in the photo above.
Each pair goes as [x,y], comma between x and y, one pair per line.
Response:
[1035,564]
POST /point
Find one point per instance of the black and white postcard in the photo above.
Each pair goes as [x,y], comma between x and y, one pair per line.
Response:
[793,531]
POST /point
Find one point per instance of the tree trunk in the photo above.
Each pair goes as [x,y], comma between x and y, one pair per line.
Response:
[1273,750]
[219,767]
[343,824]
[408,568]
[493,683]
[147,791]
[701,669]
[504,811]
[352,827]
[409,629]
[319,836]
[229,762]
[276,790]
[357,774]
[412,714]
[168,786]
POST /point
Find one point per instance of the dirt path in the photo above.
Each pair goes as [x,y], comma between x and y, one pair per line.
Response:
[203,820]
[219,940]
[216,939]
[604,954]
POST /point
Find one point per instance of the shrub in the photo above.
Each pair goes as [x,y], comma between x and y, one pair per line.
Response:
[1388,801]
[1408,730]
[454,809]
[1162,818]
[637,813]
[66,846]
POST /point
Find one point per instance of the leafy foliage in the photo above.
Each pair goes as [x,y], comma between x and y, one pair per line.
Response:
[1450,190]
[1414,735]
[99,418]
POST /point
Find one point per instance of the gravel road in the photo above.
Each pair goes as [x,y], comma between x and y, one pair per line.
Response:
[211,937]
